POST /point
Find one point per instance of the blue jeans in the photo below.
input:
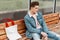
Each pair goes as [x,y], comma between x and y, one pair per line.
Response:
[35,36]
[53,35]
[50,35]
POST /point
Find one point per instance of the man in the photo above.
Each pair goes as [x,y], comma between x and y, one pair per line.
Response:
[36,26]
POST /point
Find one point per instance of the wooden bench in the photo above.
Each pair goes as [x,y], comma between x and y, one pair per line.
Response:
[21,29]
[50,19]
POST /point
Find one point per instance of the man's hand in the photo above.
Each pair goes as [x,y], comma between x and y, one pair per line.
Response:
[44,34]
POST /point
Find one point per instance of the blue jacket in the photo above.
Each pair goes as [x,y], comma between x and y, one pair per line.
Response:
[31,25]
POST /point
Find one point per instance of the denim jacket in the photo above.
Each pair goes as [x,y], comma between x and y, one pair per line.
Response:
[31,25]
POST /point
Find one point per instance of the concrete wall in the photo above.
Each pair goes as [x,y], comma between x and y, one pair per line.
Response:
[15,15]
[19,14]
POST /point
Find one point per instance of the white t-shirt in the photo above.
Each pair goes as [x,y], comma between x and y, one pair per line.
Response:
[38,26]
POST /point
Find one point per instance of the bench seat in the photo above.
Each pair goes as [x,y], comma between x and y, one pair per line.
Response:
[52,21]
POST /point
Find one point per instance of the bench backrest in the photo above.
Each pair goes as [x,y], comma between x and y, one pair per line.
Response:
[52,18]
[49,19]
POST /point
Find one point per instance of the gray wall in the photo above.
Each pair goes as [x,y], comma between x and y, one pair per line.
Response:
[16,15]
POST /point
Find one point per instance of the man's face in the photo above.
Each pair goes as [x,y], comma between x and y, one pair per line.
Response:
[35,9]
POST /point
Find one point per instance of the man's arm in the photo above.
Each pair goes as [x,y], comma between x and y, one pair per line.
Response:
[30,28]
[45,28]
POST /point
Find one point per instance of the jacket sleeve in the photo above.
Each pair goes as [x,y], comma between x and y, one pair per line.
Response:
[30,28]
[45,28]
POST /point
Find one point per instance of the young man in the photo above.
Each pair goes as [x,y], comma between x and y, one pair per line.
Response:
[36,25]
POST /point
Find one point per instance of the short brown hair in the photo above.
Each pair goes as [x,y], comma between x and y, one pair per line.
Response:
[33,4]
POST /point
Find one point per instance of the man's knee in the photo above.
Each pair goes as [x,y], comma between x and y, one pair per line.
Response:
[54,35]
[58,37]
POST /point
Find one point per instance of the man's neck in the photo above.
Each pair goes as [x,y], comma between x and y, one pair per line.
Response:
[32,13]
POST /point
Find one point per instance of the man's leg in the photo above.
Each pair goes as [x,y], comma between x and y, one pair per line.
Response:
[36,36]
[53,35]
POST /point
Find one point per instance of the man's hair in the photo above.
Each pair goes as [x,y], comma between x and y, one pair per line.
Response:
[33,4]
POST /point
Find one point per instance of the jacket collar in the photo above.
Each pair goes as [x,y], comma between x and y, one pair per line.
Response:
[31,15]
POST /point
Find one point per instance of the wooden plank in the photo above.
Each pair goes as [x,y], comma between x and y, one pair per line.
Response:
[2,26]
[51,19]
[53,22]
[22,31]
[3,37]
[21,27]
[2,32]
[50,15]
